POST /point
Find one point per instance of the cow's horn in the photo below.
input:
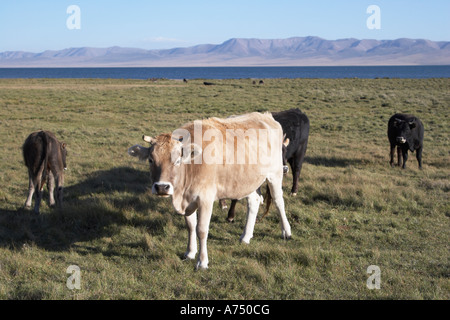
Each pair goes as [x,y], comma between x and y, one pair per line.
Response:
[148,139]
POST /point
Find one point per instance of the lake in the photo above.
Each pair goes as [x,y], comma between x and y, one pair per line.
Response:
[414,72]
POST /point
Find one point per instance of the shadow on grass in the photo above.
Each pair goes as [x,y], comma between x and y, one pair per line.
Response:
[332,162]
[92,209]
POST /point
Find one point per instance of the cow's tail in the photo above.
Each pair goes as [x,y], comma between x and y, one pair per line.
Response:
[43,160]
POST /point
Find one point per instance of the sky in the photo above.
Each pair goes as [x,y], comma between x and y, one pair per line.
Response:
[36,26]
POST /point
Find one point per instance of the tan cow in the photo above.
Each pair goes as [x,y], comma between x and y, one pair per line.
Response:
[213,159]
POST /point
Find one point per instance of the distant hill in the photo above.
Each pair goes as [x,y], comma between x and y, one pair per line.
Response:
[297,51]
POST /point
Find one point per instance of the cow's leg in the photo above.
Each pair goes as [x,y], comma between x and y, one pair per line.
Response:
[31,189]
[253,202]
[299,158]
[275,185]
[51,188]
[232,211]
[399,156]
[292,164]
[392,153]
[191,223]
[39,190]
[223,204]
[405,157]
[295,176]
[419,156]
[59,190]
[204,218]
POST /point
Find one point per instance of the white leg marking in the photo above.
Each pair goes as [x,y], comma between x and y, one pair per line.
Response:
[275,185]
[204,218]
[191,223]
[253,202]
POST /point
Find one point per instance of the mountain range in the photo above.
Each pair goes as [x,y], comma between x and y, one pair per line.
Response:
[296,51]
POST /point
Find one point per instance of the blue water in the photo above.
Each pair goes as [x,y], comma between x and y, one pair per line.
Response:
[415,72]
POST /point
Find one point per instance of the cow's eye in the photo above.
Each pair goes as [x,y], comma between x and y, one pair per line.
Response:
[177,162]
[150,161]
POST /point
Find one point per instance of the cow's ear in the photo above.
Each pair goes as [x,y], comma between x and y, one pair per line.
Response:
[139,151]
[286,142]
[412,124]
[63,145]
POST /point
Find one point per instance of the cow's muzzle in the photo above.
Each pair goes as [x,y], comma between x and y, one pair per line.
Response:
[285,169]
[162,189]
[401,140]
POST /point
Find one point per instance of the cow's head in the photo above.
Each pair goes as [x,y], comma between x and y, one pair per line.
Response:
[403,130]
[167,156]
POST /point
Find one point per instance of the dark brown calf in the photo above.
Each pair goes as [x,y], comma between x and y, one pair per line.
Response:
[45,158]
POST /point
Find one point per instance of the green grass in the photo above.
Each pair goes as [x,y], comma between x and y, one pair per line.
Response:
[352,211]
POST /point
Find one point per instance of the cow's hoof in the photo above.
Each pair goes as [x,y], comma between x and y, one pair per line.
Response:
[286,235]
[293,194]
[188,256]
[230,220]
[201,266]
[245,240]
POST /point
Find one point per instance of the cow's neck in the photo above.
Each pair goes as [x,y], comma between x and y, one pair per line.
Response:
[181,198]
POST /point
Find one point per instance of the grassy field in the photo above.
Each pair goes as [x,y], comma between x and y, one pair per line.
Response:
[352,211]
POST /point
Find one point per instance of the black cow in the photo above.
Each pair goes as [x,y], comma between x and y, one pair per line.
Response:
[405,132]
[295,126]
[44,156]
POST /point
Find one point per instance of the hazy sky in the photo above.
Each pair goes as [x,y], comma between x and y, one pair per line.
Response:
[39,25]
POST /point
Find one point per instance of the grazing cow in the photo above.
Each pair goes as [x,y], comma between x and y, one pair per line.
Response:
[44,155]
[405,132]
[295,126]
[197,174]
